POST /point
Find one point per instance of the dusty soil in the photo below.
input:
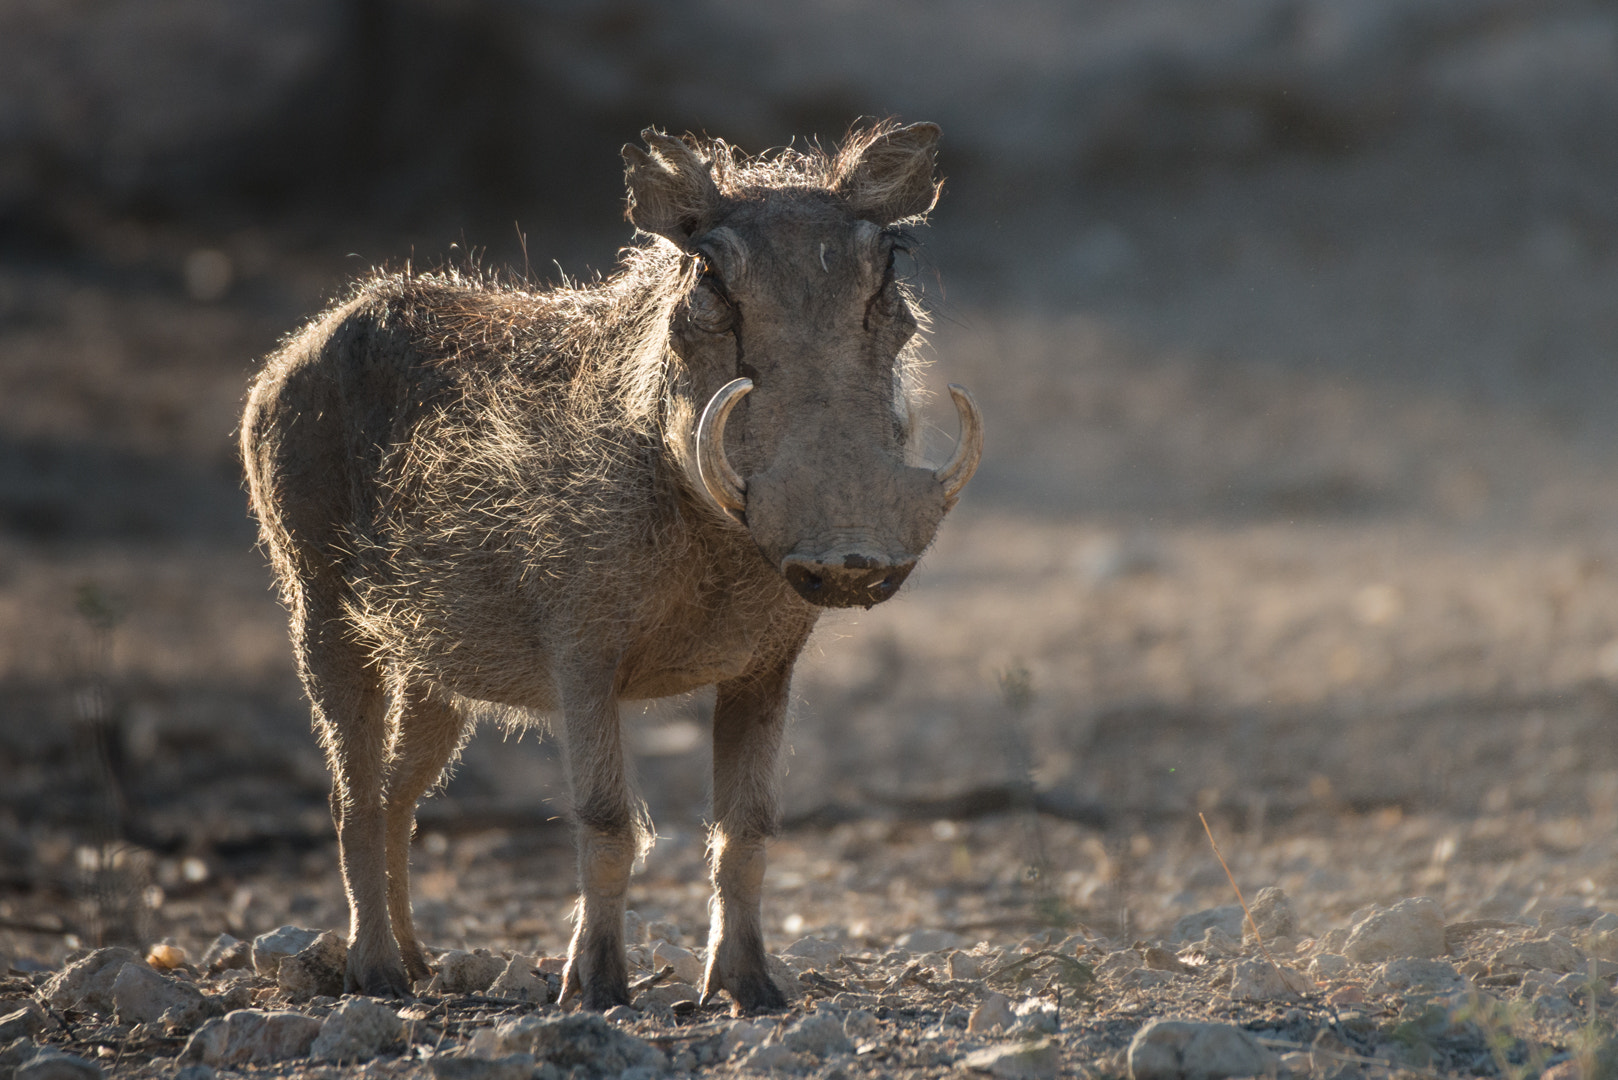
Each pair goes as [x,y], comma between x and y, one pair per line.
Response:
[1299,512]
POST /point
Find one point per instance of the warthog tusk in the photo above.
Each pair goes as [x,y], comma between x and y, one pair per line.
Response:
[727,490]
[954,473]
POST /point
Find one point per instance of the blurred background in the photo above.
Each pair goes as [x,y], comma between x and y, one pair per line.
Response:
[1295,323]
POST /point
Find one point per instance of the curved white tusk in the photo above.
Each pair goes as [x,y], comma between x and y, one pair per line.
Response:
[954,473]
[727,490]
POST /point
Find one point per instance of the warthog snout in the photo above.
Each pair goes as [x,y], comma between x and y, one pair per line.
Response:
[851,580]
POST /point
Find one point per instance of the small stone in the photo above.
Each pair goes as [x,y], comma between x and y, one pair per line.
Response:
[1193,926]
[1413,927]
[469,972]
[87,983]
[774,1057]
[578,1039]
[28,1020]
[1118,963]
[1553,953]
[1328,966]
[1260,980]
[316,970]
[1352,994]
[1034,1017]
[1412,974]
[1274,914]
[55,1065]
[1566,914]
[252,1037]
[926,941]
[357,1030]
[963,965]
[821,954]
[141,996]
[820,1034]
[165,957]
[1017,1061]
[195,1071]
[994,1014]
[521,981]
[511,1067]
[271,948]
[665,995]
[621,1014]
[1189,1050]
[745,1033]
[227,954]
[861,1024]
[687,964]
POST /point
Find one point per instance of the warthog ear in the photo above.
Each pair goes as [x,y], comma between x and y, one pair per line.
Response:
[671,189]
[889,176]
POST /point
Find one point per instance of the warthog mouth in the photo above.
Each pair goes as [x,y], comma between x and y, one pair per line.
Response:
[855,581]
[728,491]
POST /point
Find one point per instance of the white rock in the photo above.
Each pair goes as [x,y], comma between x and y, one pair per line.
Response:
[87,983]
[140,995]
[820,1034]
[469,972]
[1260,980]
[1413,927]
[993,1014]
[1189,1050]
[316,970]
[252,1037]
[687,964]
[521,981]
[1273,912]
[1328,966]
[1017,1061]
[820,954]
[1553,953]
[1035,1016]
[357,1030]
[1193,926]
[271,948]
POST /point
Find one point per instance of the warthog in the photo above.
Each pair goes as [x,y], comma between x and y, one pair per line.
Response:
[558,500]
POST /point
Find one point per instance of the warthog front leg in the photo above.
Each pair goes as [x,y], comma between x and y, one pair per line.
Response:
[749,715]
[609,836]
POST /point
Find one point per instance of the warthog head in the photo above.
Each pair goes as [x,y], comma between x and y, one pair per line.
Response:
[792,398]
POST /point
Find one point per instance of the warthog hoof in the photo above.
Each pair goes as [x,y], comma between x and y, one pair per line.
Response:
[376,980]
[752,993]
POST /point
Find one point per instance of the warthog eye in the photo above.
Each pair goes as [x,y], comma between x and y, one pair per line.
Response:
[708,307]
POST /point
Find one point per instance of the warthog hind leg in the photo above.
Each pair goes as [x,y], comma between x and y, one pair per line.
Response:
[350,710]
[427,731]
